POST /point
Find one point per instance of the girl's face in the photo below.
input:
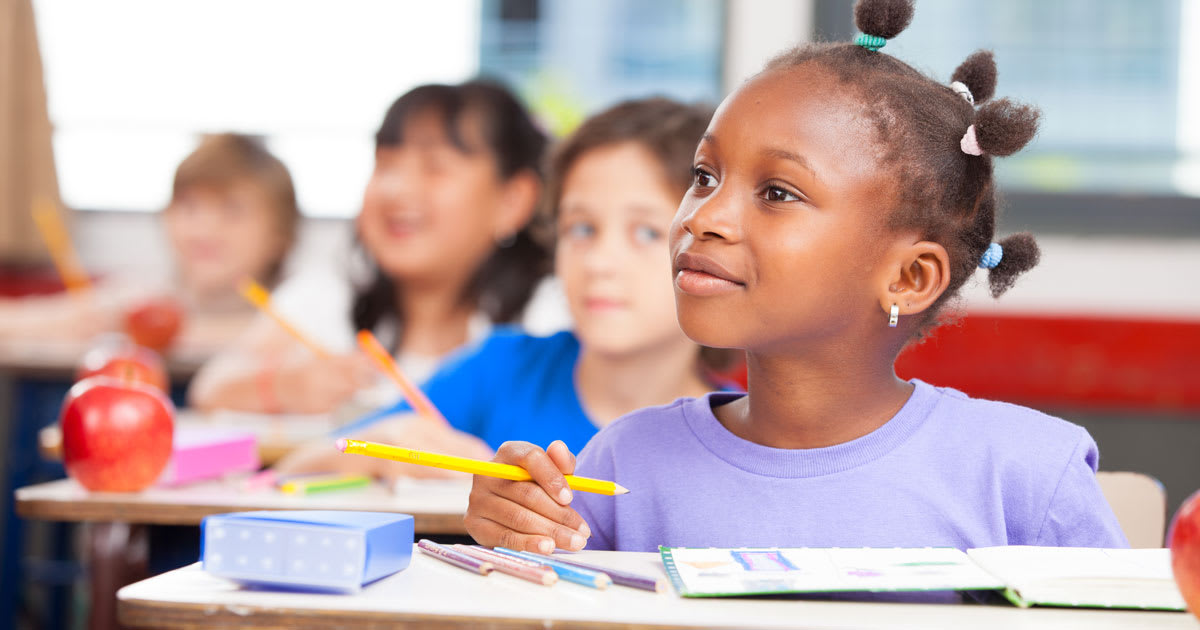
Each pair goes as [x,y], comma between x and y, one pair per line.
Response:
[220,235]
[432,212]
[611,256]
[777,246]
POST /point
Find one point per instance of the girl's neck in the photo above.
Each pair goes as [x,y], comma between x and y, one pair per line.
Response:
[612,385]
[812,402]
[435,318]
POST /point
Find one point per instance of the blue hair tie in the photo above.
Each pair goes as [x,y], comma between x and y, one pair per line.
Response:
[871,42]
[991,257]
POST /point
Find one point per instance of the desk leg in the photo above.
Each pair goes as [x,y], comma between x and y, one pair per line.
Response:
[117,556]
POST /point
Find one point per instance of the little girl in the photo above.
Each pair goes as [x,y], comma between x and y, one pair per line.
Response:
[447,253]
[840,198]
[626,351]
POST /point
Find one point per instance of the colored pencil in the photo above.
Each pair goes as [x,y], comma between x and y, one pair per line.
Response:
[450,556]
[594,579]
[50,225]
[413,394]
[467,465]
[623,578]
[539,574]
[257,295]
[325,484]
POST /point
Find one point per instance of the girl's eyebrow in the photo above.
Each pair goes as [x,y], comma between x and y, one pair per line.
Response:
[783,154]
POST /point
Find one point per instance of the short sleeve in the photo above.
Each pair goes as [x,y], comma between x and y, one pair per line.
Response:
[598,511]
[318,301]
[1078,514]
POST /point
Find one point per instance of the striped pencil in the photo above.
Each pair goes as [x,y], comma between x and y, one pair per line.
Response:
[594,579]
[624,578]
[531,571]
[450,556]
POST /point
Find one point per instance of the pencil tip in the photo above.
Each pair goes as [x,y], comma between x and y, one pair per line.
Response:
[620,489]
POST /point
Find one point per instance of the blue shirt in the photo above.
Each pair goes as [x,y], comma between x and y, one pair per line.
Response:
[513,386]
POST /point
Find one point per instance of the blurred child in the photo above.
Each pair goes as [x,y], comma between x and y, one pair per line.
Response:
[447,253]
[612,190]
[840,198]
[232,215]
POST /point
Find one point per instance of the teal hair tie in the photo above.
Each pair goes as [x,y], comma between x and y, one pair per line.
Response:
[991,257]
[870,42]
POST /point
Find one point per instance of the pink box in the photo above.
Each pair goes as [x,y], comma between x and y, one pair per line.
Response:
[201,453]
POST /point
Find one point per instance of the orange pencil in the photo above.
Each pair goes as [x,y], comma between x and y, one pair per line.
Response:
[54,233]
[259,297]
[420,403]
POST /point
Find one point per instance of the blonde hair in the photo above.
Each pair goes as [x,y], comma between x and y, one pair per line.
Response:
[222,160]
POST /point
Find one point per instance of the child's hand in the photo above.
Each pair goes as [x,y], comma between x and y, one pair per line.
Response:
[527,515]
[321,385]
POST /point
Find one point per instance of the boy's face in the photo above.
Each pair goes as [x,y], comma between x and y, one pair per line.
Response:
[220,235]
[613,220]
[777,244]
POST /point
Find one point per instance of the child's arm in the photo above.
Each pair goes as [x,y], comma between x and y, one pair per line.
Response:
[406,430]
[267,371]
[527,515]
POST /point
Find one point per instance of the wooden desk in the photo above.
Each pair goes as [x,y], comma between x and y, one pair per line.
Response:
[432,594]
[277,435]
[59,359]
[437,506]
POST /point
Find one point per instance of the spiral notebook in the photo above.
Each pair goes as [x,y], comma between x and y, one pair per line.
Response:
[1026,576]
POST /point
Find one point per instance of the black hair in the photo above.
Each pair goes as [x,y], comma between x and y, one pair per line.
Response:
[946,194]
[506,280]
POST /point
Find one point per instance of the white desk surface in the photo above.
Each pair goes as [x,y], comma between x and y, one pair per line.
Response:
[436,505]
[433,594]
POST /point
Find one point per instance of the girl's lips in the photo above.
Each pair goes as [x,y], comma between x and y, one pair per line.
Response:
[701,283]
[697,274]
[602,304]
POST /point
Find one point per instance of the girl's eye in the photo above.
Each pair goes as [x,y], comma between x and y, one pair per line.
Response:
[775,193]
[578,230]
[702,179]
[644,234]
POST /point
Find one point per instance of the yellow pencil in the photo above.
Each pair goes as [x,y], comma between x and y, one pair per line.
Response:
[467,465]
[54,233]
[257,295]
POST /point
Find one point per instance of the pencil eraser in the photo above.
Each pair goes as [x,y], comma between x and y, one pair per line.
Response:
[200,453]
[318,550]
[340,444]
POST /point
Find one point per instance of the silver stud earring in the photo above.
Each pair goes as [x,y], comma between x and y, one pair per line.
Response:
[894,316]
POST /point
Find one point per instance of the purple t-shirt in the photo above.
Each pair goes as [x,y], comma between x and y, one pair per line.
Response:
[947,470]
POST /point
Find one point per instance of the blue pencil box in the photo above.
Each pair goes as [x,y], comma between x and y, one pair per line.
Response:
[320,550]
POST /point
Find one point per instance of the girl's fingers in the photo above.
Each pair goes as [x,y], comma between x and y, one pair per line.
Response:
[539,465]
[533,499]
[491,534]
[517,522]
[562,457]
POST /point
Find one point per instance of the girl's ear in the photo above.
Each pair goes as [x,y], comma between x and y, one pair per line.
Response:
[519,199]
[917,275]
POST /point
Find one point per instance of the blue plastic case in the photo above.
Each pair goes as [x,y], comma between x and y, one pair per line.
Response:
[323,550]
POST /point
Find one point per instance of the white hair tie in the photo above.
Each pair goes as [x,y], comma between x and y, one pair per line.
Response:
[969,143]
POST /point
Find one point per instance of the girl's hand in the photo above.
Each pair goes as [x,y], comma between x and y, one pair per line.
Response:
[527,515]
[321,385]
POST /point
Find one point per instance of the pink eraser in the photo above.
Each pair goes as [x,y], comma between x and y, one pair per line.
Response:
[340,444]
[200,453]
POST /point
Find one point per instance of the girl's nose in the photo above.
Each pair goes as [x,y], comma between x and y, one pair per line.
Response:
[716,216]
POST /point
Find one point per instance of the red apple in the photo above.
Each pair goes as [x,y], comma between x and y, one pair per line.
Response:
[154,323]
[116,433]
[1184,541]
[125,362]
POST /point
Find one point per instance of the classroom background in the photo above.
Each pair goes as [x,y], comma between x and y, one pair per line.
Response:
[100,100]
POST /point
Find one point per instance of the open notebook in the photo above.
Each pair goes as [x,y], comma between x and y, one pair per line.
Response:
[1027,576]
